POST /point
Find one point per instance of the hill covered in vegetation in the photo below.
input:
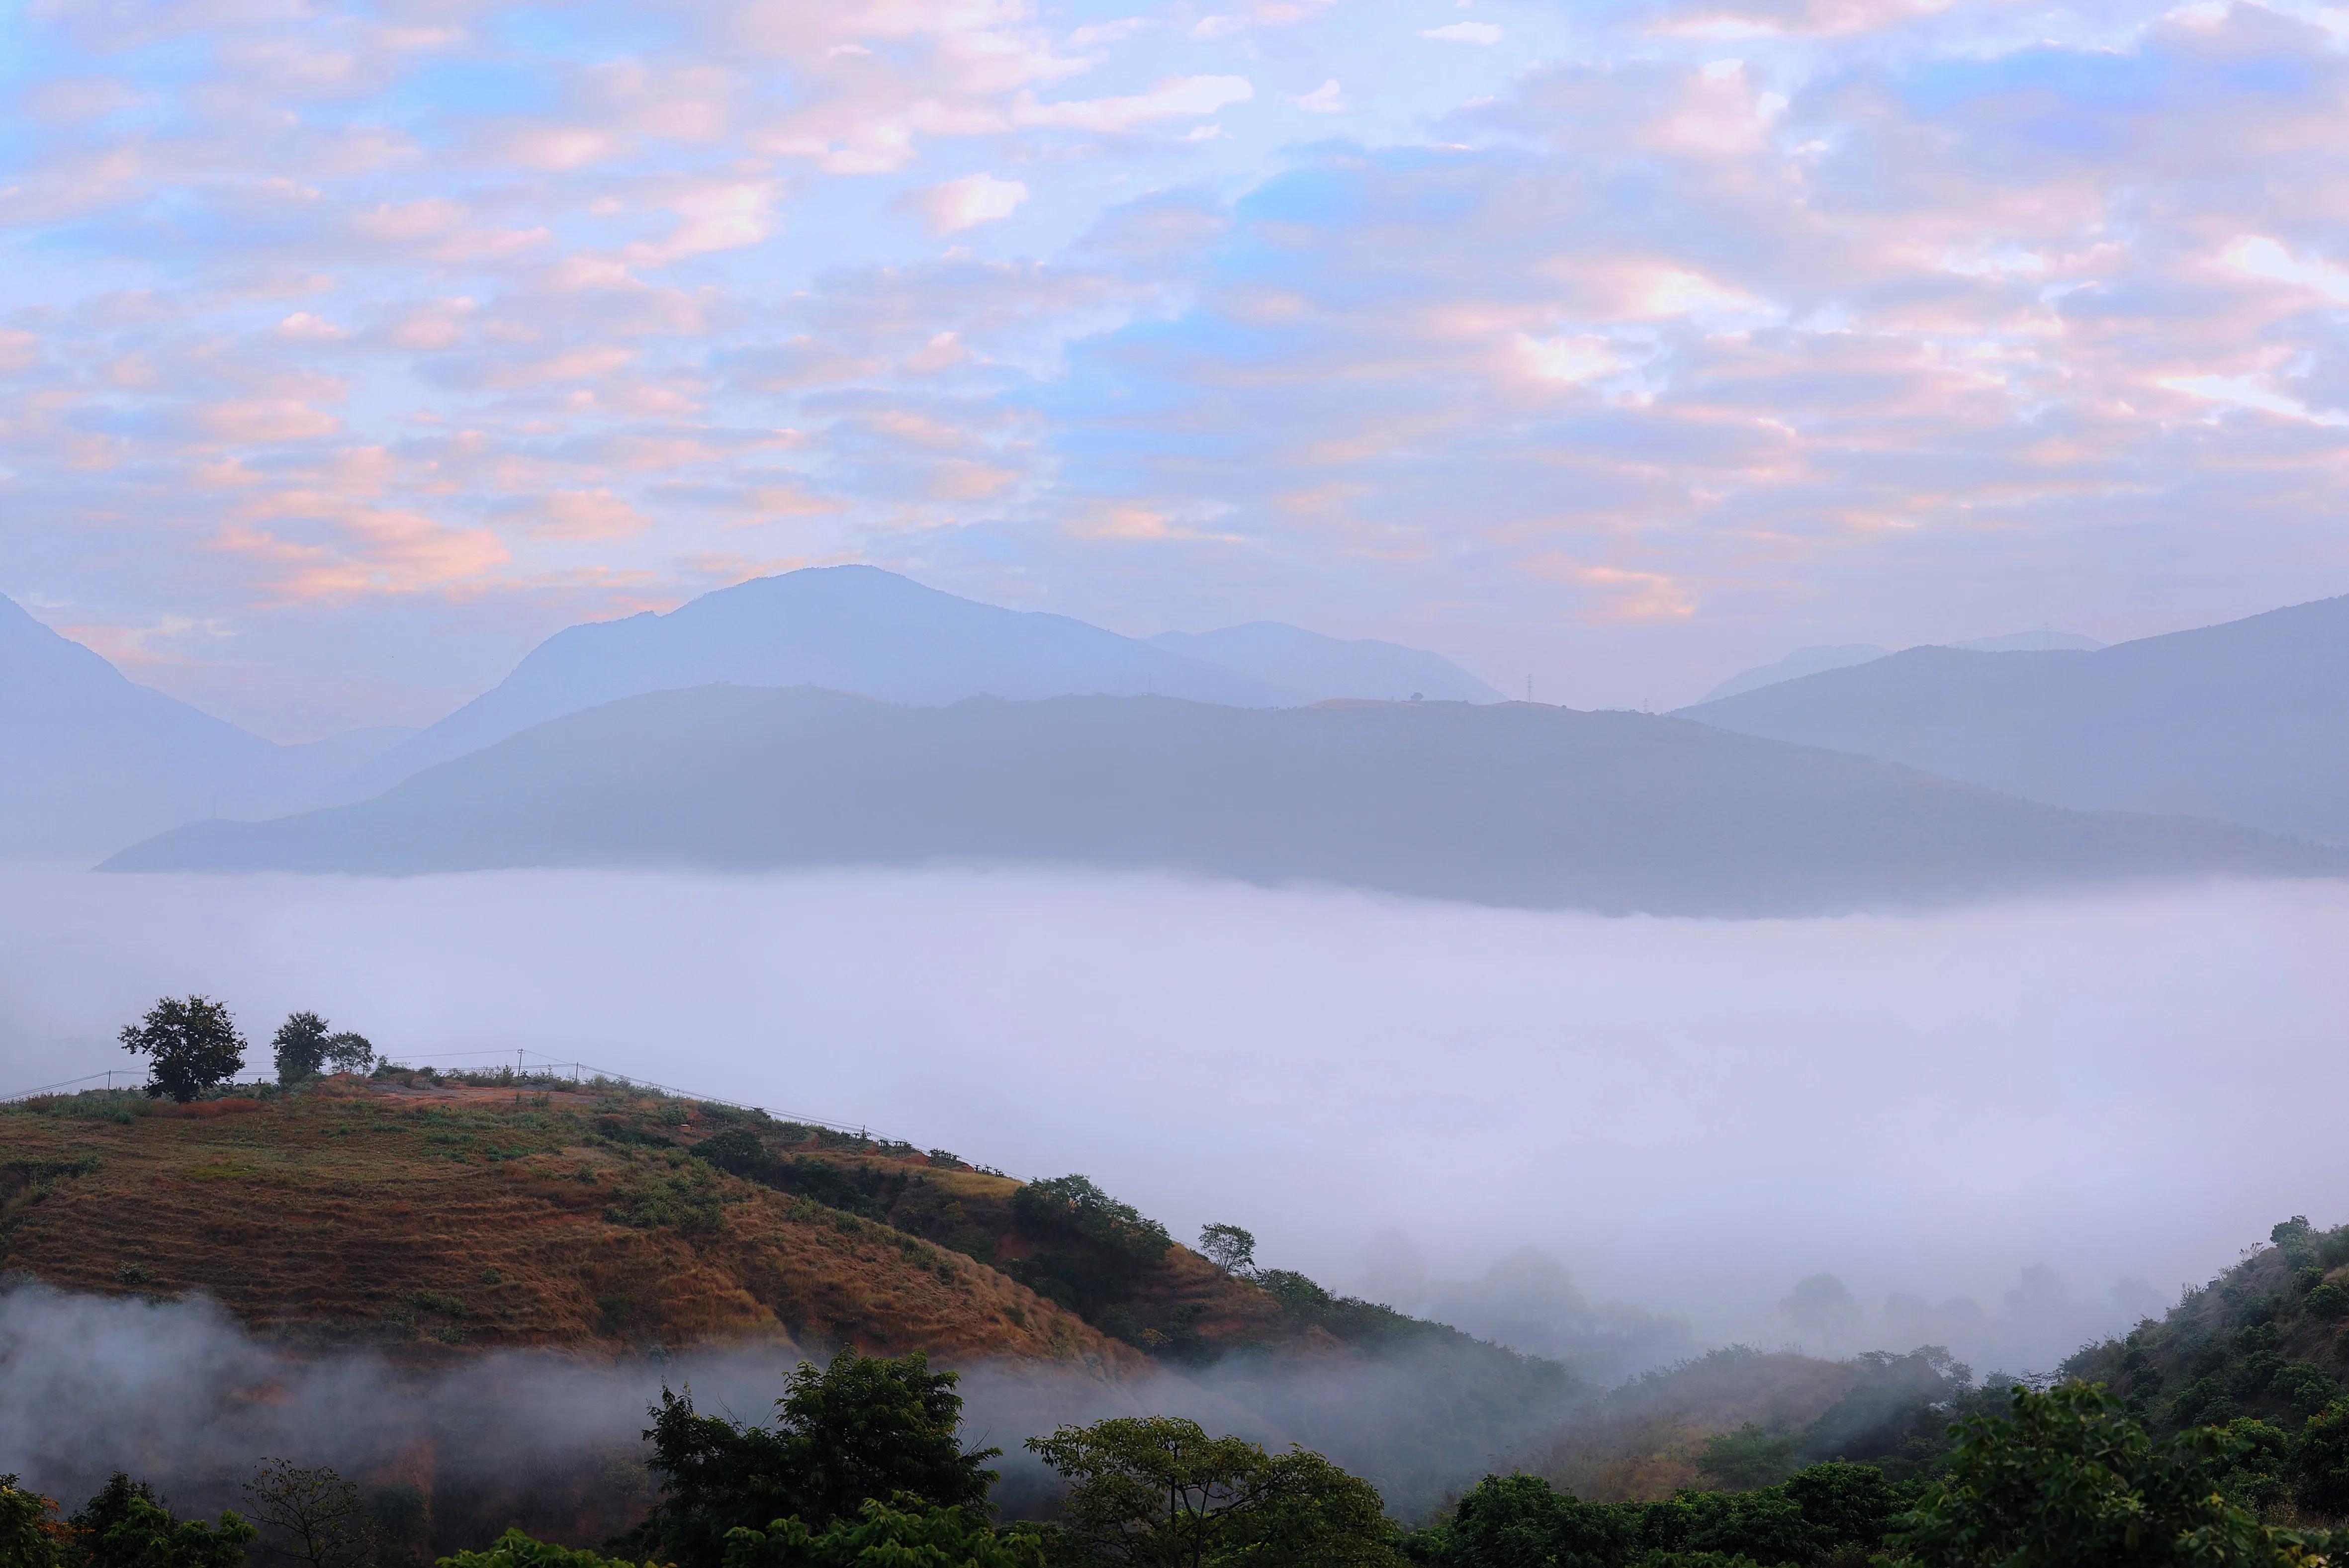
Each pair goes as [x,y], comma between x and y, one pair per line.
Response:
[2267,1340]
[410,1210]
[409,1215]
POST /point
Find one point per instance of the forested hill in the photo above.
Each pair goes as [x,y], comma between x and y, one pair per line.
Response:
[2266,1340]
[1508,804]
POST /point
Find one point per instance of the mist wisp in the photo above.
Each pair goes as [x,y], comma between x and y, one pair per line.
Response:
[179,1394]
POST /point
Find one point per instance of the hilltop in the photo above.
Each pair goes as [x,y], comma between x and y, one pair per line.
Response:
[1507,804]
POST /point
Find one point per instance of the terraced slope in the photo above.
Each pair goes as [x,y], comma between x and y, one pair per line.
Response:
[431,1217]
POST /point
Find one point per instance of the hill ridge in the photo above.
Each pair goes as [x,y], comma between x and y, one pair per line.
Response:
[1511,804]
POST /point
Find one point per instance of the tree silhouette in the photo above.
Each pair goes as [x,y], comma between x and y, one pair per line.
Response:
[190,1045]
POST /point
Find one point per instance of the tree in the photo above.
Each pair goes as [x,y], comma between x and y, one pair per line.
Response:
[861,1429]
[904,1531]
[310,1516]
[1523,1521]
[1310,1513]
[1229,1248]
[31,1535]
[1091,1249]
[301,1047]
[2064,1480]
[1156,1491]
[350,1053]
[306,1047]
[2320,1463]
[191,1044]
[126,1526]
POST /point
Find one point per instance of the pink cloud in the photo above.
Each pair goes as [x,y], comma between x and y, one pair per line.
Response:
[265,421]
[581,515]
[966,203]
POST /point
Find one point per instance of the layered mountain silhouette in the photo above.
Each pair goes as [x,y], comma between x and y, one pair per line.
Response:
[2246,722]
[860,629]
[1508,804]
[89,760]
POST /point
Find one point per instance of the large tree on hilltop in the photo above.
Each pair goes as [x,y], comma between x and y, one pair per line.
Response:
[190,1045]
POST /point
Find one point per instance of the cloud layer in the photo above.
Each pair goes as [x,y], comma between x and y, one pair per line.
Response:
[1619,347]
[1690,1115]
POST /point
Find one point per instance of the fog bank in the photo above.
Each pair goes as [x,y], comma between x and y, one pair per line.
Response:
[1689,1116]
[180,1394]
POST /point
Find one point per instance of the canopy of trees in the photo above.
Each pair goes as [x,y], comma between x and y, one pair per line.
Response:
[307,1046]
[1156,1491]
[860,1429]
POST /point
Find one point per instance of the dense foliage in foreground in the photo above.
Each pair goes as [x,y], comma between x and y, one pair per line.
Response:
[864,1469]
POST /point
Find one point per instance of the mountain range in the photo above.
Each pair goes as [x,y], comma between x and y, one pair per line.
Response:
[2244,722]
[1204,752]
[1508,804]
[97,762]
[93,761]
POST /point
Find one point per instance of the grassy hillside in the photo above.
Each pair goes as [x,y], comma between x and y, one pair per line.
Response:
[415,1210]
[435,1215]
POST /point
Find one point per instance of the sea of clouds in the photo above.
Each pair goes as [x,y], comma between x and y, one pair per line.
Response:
[2007,1128]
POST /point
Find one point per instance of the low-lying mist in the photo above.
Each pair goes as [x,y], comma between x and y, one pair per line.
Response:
[181,1396]
[2005,1129]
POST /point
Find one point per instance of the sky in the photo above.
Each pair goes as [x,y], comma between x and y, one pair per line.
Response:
[347,351]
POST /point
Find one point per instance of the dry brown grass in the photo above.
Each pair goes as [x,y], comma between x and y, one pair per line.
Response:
[441,1220]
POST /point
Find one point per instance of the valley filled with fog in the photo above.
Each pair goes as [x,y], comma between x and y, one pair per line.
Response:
[2008,1127]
